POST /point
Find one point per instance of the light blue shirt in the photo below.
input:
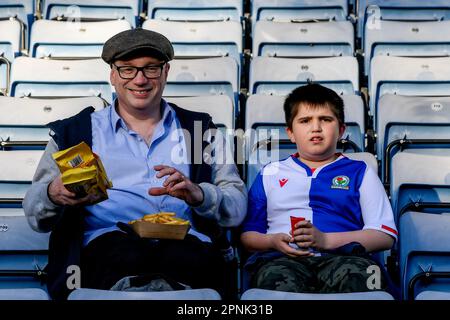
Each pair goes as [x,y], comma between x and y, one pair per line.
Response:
[129,162]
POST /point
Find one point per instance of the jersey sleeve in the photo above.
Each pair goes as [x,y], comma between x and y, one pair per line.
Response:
[375,207]
[256,219]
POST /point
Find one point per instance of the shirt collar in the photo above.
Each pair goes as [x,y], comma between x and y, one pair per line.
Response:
[117,121]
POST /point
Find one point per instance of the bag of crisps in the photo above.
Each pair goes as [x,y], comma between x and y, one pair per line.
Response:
[82,171]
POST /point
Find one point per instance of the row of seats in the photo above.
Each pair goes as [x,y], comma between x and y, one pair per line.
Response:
[22,126]
[407,89]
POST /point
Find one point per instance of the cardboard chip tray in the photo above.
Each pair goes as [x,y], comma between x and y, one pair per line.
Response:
[147,229]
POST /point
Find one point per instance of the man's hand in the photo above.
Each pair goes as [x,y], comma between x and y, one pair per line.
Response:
[58,194]
[280,242]
[177,185]
[306,235]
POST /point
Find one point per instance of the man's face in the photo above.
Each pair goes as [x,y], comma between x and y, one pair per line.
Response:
[315,131]
[140,92]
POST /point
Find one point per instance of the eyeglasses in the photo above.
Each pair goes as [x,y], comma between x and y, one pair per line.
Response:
[150,71]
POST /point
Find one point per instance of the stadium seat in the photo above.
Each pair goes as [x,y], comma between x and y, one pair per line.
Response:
[278,76]
[309,39]
[196,10]
[433,295]
[92,10]
[262,294]
[219,107]
[406,38]
[192,294]
[31,77]
[411,10]
[201,39]
[425,254]
[22,10]
[23,120]
[62,39]
[420,174]
[10,47]
[407,76]
[299,10]
[23,252]
[199,77]
[24,294]
[406,118]
[267,139]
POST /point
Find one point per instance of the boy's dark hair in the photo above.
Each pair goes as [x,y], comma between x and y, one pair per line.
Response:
[315,95]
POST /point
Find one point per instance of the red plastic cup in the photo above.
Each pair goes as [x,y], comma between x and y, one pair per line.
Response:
[294,220]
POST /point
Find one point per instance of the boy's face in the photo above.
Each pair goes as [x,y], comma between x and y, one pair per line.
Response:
[315,131]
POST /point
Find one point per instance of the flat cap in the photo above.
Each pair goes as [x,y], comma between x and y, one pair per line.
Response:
[146,42]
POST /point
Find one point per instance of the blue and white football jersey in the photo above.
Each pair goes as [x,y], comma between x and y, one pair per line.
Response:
[344,195]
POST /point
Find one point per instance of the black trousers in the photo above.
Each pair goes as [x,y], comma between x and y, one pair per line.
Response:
[114,255]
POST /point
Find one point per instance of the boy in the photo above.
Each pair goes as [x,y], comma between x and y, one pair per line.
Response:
[343,202]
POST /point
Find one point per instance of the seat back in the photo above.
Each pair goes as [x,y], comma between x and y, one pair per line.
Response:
[88,10]
[407,76]
[196,10]
[419,175]
[199,77]
[22,10]
[31,77]
[405,38]
[411,10]
[219,107]
[309,39]
[410,117]
[424,252]
[23,120]
[62,39]
[279,76]
[201,39]
[23,252]
[299,10]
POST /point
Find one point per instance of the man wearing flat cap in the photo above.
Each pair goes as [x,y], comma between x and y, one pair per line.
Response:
[136,138]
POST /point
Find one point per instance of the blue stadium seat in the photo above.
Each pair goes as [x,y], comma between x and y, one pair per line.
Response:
[23,120]
[262,294]
[406,38]
[22,10]
[199,77]
[219,107]
[411,10]
[299,10]
[191,294]
[424,253]
[196,10]
[23,252]
[407,76]
[267,139]
[31,77]
[406,118]
[10,46]
[92,10]
[201,39]
[61,39]
[433,295]
[309,39]
[419,174]
[279,76]
[24,294]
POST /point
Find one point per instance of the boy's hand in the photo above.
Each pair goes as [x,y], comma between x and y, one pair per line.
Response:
[306,235]
[280,242]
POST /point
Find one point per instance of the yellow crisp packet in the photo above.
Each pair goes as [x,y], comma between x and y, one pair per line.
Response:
[82,171]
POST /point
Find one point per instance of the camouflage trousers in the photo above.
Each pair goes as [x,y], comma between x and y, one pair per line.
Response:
[323,274]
